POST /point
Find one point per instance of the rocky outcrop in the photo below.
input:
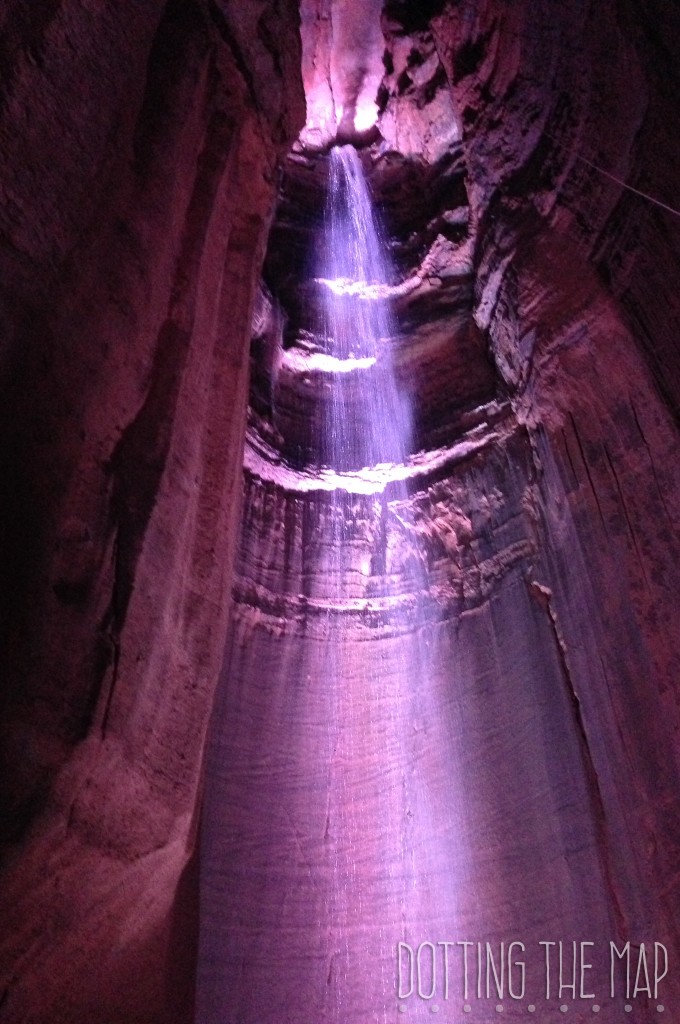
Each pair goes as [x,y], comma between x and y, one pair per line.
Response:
[137,173]
[440,356]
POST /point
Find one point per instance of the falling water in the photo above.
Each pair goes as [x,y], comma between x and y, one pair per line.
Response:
[330,818]
[386,844]
[365,423]
[374,427]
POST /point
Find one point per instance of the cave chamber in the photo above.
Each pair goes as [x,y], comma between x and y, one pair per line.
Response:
[289,681]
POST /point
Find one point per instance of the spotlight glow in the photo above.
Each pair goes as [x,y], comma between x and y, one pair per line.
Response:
[322,362]
[368,290]
[366,115]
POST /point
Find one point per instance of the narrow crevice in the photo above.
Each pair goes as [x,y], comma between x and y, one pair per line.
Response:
[624,509]
[543,597]
[586,466]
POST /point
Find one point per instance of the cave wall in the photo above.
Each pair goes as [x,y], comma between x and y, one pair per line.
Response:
[138,169]
[573,287]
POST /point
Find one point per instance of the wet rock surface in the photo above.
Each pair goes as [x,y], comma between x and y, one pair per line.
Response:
[137,176]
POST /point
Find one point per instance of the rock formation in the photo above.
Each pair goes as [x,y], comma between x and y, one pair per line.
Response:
[523,159]
[138,177]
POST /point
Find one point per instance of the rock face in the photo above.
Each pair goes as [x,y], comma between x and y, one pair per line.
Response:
[501,761]
[137,169]
[570,310]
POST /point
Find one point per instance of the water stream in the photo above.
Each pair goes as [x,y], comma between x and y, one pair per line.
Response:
[358,322]
[331,818]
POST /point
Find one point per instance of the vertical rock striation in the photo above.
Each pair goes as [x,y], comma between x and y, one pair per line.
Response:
[531,770]
[138,172]
[559,107]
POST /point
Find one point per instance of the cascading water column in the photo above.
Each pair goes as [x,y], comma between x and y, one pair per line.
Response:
[323,846]
[367,421]
[365,426]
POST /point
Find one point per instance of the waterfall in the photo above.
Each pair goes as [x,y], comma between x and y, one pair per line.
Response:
[365,424]
[330,821]
[367,420]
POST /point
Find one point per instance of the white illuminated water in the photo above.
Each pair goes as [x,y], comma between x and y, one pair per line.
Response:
[374,427]
[387,849]
[330,812]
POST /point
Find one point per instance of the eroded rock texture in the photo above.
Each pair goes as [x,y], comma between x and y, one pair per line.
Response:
[580,330]
[138,159]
